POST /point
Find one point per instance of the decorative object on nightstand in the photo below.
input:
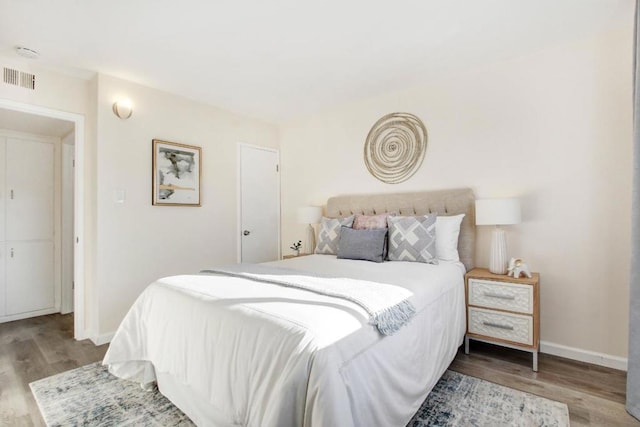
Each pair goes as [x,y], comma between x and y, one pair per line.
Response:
[517,268]
[498,212]
[296,247]
[503,310]
[309,215]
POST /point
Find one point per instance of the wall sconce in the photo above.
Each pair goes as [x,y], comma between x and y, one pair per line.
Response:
[123,108]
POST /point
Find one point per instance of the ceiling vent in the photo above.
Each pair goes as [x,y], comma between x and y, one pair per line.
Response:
[19,78]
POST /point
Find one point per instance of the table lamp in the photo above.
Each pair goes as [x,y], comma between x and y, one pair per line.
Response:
[498,212]
[309,215]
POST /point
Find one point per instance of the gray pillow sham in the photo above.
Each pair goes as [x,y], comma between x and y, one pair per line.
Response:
[368,245]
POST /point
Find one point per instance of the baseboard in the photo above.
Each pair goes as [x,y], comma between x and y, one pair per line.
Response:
[103,339]
[20,316]
[581,355]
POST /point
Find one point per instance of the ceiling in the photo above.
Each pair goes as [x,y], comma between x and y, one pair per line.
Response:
[34,124]
[279,59]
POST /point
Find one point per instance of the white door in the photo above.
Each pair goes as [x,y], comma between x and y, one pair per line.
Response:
[29,184]
[3,311]
[29,245]
[259,204]
[29,276]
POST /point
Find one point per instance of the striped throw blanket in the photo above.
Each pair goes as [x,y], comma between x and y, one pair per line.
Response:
[387,305]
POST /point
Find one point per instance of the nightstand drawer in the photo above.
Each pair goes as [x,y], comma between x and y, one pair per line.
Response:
[506,326]
[505,296]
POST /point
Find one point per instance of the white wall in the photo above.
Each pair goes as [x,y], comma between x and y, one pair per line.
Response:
[75,95]
[129,245]
[137,242]
[553,128]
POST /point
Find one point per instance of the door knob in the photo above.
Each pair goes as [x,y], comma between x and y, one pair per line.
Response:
[246,232]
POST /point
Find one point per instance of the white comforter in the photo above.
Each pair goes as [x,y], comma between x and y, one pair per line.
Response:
[267,355]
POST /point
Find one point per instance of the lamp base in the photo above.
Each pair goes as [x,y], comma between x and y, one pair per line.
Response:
[309,246]
[498,256]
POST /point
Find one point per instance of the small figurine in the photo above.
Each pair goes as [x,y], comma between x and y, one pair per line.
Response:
[518,268]
[296,247]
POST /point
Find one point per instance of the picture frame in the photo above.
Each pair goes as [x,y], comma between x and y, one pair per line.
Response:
[176,174]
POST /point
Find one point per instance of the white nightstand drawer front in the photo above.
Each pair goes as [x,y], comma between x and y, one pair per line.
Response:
[507,326]
[505,296]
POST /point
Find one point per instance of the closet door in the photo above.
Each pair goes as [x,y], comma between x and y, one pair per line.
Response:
[29,244]
[29,185]
[3,292]
[29,269]
[3,145]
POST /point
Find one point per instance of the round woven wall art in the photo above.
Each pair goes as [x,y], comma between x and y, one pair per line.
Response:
[395,147]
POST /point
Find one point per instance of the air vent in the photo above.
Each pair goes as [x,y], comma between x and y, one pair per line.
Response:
[19,78]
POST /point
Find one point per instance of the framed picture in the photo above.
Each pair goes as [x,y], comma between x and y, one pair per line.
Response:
[176,174]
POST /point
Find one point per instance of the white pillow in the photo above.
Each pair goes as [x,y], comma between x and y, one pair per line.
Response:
[447,232]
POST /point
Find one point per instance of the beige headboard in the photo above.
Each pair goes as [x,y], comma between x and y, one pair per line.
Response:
[442,202]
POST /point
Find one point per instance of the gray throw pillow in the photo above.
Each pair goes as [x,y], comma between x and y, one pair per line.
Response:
[366,245]
[329,234]
[413,238]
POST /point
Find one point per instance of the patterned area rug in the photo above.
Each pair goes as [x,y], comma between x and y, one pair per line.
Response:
[90,396]
[461,400]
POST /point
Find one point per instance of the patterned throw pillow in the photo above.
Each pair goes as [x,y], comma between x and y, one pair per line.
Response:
[371,222]
[413,238]
[329,234]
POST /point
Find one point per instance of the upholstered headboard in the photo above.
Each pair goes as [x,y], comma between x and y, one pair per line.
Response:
[442,202]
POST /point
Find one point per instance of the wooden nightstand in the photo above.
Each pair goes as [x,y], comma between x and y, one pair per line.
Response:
[504,311]
[294,256]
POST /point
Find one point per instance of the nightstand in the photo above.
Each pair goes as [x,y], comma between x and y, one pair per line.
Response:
[294,256]
[504,311]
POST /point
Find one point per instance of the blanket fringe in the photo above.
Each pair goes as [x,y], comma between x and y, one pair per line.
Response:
[391,319]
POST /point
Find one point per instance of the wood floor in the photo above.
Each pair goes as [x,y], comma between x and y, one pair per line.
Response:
[595,395]
[32,349]
[37,348]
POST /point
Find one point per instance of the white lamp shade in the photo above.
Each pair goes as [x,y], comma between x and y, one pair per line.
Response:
[309,215]
[497,211]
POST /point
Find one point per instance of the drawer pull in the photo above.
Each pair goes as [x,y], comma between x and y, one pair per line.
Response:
[492,295]
[497,325]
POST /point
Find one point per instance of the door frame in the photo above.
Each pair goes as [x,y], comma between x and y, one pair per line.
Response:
[239,196]
[79,324]
[66,295]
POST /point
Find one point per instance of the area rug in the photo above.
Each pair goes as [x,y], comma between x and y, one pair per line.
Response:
[90,396]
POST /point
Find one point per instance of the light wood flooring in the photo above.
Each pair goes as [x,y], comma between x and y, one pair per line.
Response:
[595,395]
[32,349]
[37,348]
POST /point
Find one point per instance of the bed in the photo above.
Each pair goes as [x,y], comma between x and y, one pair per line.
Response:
[231,351]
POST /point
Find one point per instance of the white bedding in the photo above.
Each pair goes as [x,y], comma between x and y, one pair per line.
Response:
[259,354]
